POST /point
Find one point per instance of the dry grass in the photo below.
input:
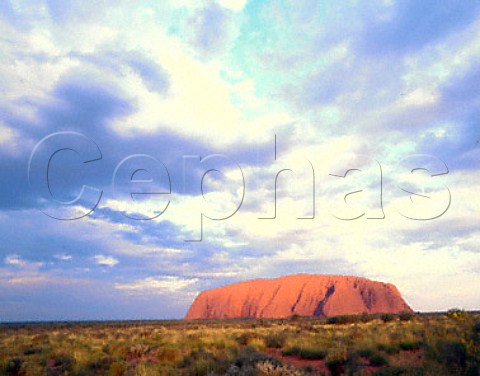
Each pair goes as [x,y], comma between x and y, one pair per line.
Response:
[441,344]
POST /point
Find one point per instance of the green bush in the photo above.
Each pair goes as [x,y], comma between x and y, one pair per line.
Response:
[458,314]
[365,353]
[406,316]
[308,369]
[476,332]
[387,317]
[32,351]
[400,371]
[198,362]
[249,358]
[343,319]
[291,351]
[63,362]
[454,355]
[100,365]
[390,349]
[118,368]
[336,366]
[12,366]
[244,338]
[350,319]
[305,353]
[294,317]
[378,360]
[365,317]
[410,346]
[275,340]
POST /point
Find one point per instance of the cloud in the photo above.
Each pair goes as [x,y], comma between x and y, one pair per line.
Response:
[16,260]
[235,5]
[412,25]
[153,76]
[211,28]
[158,285]
[105,260]
[63,257]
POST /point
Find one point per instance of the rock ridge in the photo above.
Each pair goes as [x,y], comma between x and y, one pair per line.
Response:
[299,294]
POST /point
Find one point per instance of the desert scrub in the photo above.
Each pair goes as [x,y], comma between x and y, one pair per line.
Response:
[11,366]
[247,361]
[401,371]
[275,340]
[406,316]
[365,353]
[267,368]
[410,346]
[389,348]
[378,360]
[442,345]
[351,319]
[387,317]
[305,353]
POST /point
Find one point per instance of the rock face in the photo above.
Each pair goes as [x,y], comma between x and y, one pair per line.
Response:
[302,294]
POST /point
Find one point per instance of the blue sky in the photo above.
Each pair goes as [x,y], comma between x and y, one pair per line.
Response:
[206,104]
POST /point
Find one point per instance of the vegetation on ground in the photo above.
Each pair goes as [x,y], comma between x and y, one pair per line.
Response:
[421,344]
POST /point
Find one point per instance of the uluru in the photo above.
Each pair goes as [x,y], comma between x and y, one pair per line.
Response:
[300,294]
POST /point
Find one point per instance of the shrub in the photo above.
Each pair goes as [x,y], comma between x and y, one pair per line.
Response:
[305,353]
[32,351]
[198,362]
[405,316]
[250,358]
[275,340]
[400,371]
[308,368]
[245,338]
[365,317]
[118,368]
[336,366]
[410,346]
[454,355]
[294,317]
[390,349]
[365,353]
[64,362]
[343,319]
[101,365]
[458,314]
[12,366]
[476,332]
[350,319]
[291,351]
[269,369]
[387,317]
[378,360]
[313,354]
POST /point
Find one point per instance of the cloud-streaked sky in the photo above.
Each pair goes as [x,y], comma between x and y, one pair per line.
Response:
[160,96]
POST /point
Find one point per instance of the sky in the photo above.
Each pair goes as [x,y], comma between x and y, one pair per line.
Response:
[151,150]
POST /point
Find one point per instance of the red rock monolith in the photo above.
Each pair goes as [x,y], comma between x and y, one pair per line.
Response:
[301,294]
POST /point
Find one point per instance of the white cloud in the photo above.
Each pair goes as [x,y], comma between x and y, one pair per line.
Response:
[63,257]
[17,261]
[11,140]
[235,5]
[158,285]
[29,280]
[105,260]
[14,260]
